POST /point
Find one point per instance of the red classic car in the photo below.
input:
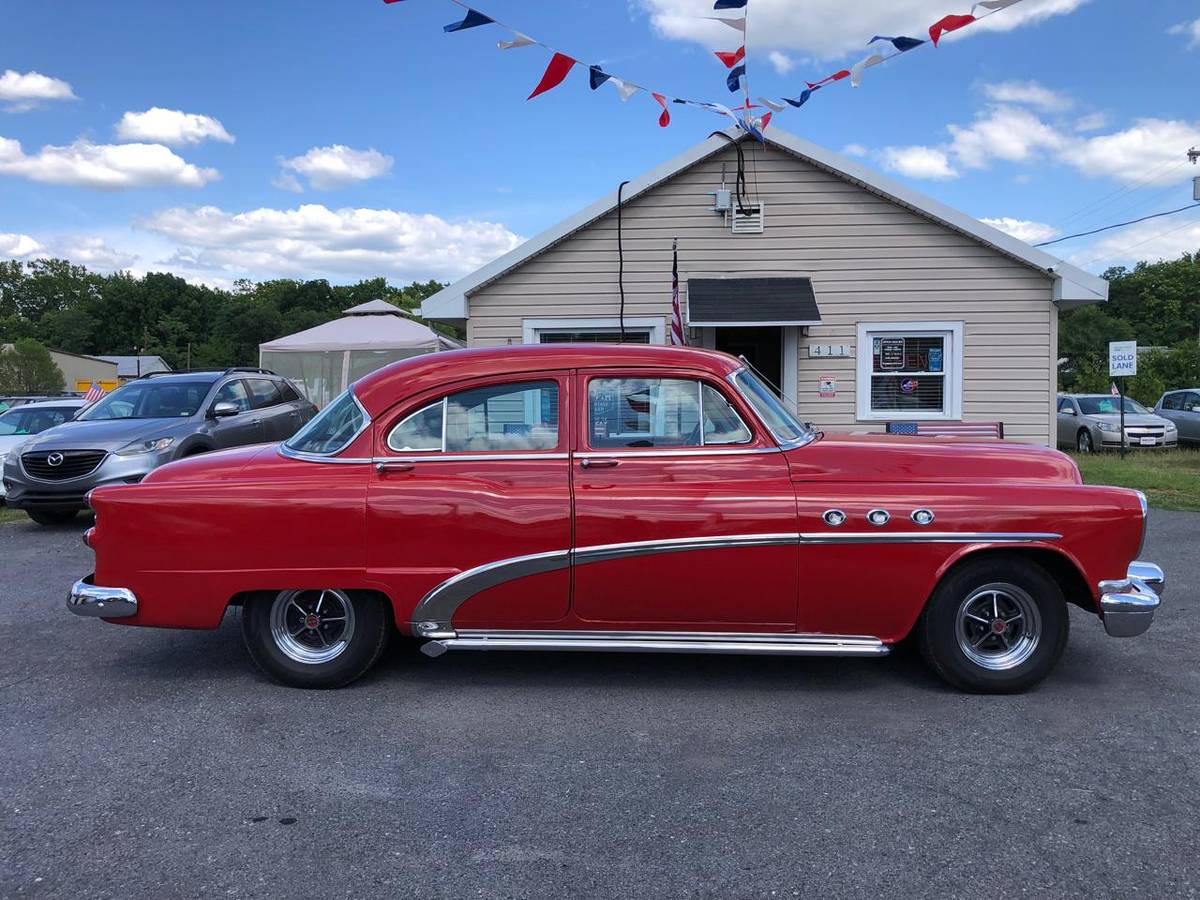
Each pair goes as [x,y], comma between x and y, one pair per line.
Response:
[617,498]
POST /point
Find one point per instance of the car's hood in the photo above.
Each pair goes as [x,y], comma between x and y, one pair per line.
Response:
[1131,419]
[8,441]
[891,459]
[102,434]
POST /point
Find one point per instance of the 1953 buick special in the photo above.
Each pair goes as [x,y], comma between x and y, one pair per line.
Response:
[617,498]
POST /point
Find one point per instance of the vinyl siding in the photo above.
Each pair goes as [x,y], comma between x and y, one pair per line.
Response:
[870,260]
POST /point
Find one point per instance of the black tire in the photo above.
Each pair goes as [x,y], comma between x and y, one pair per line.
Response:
[52,517]
[277,657]
[1002,663]
[1084,442]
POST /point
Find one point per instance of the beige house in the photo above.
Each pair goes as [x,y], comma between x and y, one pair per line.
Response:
[865,301]
[80,371]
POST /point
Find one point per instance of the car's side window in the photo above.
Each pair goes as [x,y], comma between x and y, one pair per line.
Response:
[505,417]
[289,393]
[660,412]
[1066,407]
[1191,402]
[264,393]
[1172,401]
[234,392]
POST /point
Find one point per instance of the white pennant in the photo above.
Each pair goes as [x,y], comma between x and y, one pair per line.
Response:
[856,70]
[624,88]
[737,24]
[519,40]
[994,5]
[773,104]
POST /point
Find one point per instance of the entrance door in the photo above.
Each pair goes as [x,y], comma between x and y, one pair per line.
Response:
[684,517]
[761,345]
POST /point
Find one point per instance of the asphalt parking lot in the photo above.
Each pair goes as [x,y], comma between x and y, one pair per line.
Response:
[141,763]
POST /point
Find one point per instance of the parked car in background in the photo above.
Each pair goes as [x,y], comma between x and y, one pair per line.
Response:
[20,423]
[617,498]
[7,403]
[144,424]
[1183,409]
[1088,422]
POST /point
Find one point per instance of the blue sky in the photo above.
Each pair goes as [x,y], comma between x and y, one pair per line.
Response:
[350,139]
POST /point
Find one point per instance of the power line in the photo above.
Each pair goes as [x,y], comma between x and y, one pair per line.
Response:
[1119,254]
[1071,237]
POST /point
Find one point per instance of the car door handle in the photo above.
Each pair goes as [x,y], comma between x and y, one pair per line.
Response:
[599,463]
[384,467]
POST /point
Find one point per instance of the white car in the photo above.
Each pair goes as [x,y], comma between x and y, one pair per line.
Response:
[20,423]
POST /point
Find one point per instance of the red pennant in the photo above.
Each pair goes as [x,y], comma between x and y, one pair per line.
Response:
[559,66]
[665,119]
[948,24]
[766,120]
[732,59]
[836,76]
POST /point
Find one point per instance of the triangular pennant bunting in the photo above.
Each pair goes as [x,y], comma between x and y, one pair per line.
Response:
[946,25]
[597,76]
[730,4]
[732,59]
[775,105]
[903,44]
[856,70]
[738,24]
[665,119]
[473,19]
[624,88]
[836,76]
[519,40]
[994,5]
[560,66]
[733,82]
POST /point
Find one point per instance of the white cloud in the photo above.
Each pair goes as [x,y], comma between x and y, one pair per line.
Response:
[1023,229]
[18,246]
[313,239]
[1149,241]
[919,162]
[831,28]
[1190,30]
[92,252]
[170,126]
[1092,122]
[1029,93]
[1142,153]
[24,91]
[855,150]
[330,168]
[1003,132]
[781,61]
[103,166]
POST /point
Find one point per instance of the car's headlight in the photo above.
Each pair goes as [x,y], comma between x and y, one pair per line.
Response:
[1109,428]
[1170,427]
[146,447]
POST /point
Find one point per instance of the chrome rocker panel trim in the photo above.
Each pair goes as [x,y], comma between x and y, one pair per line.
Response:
[662,642]
[1128,606]
[86,599]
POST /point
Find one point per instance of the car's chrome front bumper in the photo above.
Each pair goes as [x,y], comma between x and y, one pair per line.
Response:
[1128,606]
[86,599]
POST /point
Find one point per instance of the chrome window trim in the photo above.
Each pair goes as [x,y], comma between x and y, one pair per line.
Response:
[434,614]
[445,401]
[700,386]
[308,456]
[804,440]
[677,451]
[498,456]
[410,417]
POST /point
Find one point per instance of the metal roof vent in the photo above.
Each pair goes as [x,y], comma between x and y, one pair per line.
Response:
[748,219]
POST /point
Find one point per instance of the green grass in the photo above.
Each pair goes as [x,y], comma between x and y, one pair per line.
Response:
[1171,478]
[11,515]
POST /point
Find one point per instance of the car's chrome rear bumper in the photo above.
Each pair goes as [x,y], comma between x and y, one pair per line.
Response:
[86,599]
[1128,606]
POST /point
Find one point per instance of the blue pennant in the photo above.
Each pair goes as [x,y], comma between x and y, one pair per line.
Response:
[473,18]
[598,77]
[734,79]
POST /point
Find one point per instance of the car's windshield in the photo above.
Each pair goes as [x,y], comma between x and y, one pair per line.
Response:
[333,428]
[22,420]
[785,426]
[150,400]
[1110,406]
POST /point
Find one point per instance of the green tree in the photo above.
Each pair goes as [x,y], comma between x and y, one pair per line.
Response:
[26,367]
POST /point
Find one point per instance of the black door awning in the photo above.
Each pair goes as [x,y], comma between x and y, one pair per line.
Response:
[746,302]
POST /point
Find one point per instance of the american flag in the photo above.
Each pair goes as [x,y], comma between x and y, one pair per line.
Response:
[677,336]
[95,392]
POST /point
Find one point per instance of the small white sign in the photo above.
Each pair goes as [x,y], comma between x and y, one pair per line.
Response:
[827,387]
[1122,359]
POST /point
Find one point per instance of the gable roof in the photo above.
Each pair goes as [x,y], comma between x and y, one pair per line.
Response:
[133,366]
[1072,285]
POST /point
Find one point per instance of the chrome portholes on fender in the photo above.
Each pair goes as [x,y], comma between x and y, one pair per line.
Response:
[922,517]
[998,627]
[834,518]
[312,627]
[879,517]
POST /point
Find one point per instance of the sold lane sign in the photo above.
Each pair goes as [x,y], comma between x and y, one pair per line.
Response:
[1122,359]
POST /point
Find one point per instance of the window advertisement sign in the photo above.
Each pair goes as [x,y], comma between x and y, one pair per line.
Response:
[891,353]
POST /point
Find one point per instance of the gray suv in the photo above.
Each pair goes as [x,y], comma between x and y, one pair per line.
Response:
[144,424]
[1182,408]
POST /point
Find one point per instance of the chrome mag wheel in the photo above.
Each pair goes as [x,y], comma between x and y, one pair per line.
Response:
[312,627]
[998,627]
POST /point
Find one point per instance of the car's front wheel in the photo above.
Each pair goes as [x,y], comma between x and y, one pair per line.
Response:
[52,517]
[995,626]
[316,638]
[1083,443]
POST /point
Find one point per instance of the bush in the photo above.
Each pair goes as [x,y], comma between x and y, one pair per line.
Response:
[26,367]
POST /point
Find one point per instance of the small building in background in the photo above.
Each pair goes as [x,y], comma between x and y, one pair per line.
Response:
[130,367]
[324,360]
[79,371]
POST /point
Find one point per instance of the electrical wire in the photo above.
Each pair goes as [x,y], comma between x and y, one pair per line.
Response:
[621,256]
[1093,207]
[740,191]
[1071,237]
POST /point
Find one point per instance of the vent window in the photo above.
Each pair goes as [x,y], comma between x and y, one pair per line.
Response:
[747,219]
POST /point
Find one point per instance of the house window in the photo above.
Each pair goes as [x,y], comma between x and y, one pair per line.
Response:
[909,370]
[594,330]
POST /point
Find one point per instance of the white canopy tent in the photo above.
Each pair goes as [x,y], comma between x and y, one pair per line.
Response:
[322,361]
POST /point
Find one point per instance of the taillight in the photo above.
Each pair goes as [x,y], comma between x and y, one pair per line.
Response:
[87,537]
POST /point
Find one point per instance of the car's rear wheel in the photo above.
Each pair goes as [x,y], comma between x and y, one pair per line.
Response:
[316,638]
[52,517]
[996,626]
[1083,443]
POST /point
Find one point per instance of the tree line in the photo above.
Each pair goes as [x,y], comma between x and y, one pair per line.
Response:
[1156,304]
[67,307]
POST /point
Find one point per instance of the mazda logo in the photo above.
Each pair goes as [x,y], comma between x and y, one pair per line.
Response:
[54,459]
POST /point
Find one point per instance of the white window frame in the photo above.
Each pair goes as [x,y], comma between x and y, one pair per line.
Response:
[531,329]
[952,365]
